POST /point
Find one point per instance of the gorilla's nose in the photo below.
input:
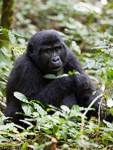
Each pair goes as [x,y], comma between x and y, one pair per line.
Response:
[55,59]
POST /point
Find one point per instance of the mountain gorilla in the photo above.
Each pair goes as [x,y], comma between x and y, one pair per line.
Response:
[47,54]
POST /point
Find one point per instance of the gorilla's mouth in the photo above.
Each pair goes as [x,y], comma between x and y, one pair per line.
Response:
[57,68]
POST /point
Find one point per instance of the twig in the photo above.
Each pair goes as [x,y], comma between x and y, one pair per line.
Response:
[84,114]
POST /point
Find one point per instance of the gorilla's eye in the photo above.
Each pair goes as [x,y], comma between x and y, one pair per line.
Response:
[59,47]
[47,50]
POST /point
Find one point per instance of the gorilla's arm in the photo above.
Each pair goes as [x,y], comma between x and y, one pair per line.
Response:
[89,94]
[55,92]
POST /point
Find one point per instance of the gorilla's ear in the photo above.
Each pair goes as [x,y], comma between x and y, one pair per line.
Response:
[30,48]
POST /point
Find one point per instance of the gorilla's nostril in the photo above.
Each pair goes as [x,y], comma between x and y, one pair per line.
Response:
[57,58]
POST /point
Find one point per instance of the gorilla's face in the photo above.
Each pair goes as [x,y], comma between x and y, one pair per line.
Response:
[48,51]
[51,58]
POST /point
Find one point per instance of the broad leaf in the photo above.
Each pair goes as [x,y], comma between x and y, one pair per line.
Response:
[21,97]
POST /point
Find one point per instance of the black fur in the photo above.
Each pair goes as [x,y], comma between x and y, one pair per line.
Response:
[45,56]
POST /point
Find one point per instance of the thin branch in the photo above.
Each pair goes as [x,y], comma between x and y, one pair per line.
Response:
[84,114]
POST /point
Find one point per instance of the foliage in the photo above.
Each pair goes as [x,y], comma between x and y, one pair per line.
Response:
[64,125]
[81,21]
[6,55]
[5,60]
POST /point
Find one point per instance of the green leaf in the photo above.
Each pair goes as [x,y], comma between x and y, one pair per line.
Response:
[91,64]
[40,109]
[12,37]
[55,129]
[50,76]
[21,97]
[2,57]
[25,145]
[38,102]
[75,47]
[65,146]
[65,108]
[110,125]
[28,110]
[5,32]
[47,131]
[109,102]
[70,73]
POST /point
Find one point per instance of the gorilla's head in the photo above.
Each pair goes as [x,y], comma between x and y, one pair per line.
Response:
[48,51]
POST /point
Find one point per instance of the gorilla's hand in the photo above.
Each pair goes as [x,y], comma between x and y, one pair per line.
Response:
[80,82]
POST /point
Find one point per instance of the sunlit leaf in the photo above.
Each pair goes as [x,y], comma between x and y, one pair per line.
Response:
[21,97]
[28,110]
[65,108]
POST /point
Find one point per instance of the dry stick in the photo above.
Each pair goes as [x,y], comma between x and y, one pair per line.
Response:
[84,114]
[99,112]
